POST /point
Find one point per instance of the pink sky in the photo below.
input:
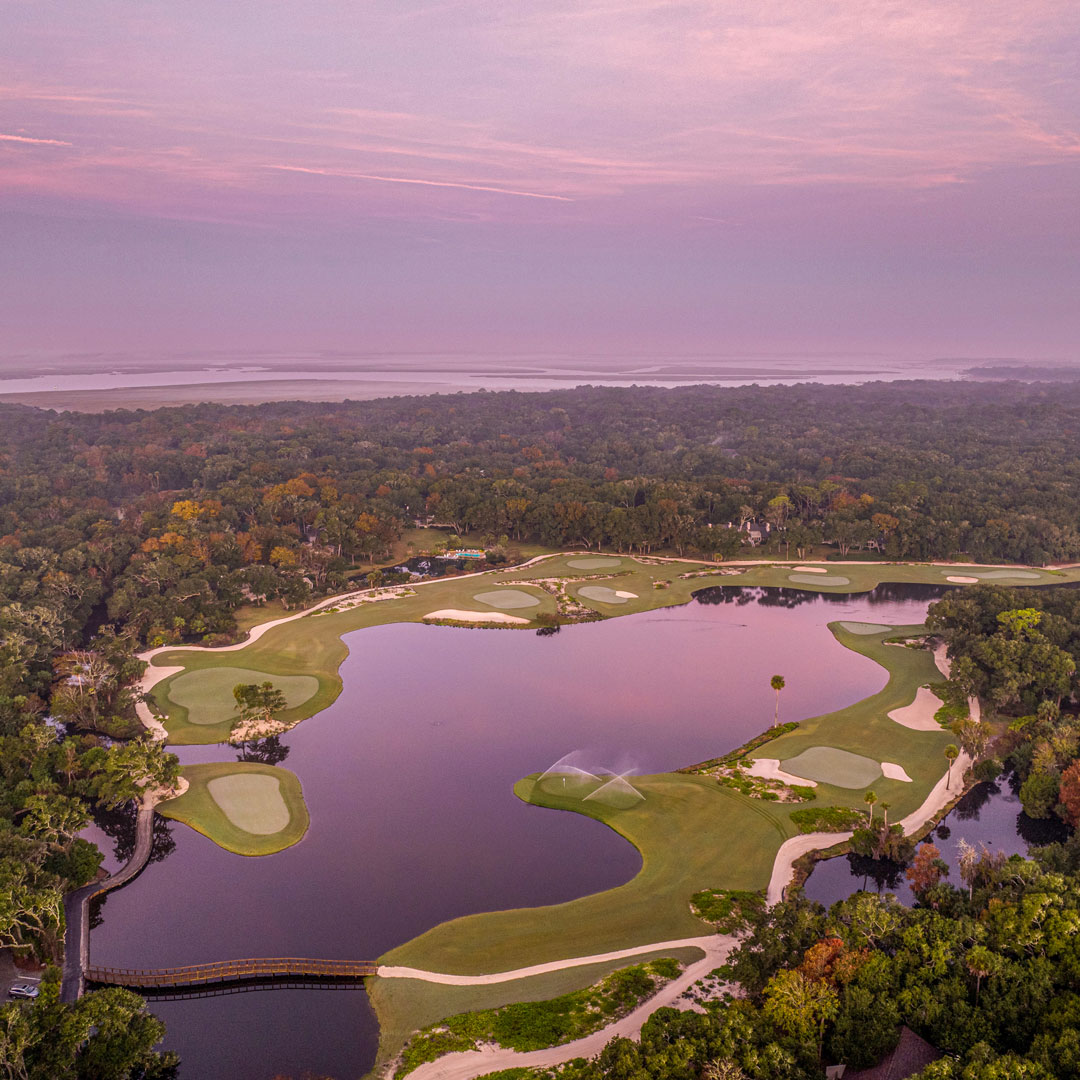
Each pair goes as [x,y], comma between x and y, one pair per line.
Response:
[563,175]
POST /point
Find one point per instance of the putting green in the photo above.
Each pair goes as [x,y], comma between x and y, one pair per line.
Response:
[827,765]
[865,627]
[996,575]
[208,695]
[251,801]
[595,563]
[243,806]
[601,594]
[508,599]
[819,579]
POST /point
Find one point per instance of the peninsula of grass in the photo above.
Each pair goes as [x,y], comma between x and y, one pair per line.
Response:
[224,796]
[313,645]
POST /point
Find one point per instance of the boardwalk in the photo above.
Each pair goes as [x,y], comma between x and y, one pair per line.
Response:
[231,971]
[77,906]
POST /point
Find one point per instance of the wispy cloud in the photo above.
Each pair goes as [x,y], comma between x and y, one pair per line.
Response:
[425,183]
[36,142]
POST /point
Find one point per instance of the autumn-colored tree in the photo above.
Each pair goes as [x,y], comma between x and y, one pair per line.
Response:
[926,870]
[1069,794]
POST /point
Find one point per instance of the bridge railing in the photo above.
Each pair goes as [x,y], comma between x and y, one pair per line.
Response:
[230,970]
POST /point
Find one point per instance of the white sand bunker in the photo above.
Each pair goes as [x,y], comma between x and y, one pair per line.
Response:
[919,715]
[810,569]
[507,598]
[962,580]
[603,595]
[596,562]
[768,768]
[825,579]
[894,771]
[251,801]
[864,627]
[456,615]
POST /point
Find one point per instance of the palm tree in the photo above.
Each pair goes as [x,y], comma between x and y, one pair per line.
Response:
[870,798]
[778,684]
[951,753]
[885,811]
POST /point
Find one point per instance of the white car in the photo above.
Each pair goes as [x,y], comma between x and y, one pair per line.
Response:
[24,990]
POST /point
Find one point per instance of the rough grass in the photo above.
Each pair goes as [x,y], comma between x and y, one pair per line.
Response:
[198,808]
[535,1025]
[406,1005]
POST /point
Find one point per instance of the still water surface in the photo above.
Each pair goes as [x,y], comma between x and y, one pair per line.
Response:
[409,777]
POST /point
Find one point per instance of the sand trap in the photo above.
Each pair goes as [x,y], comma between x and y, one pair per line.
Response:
[962,580]
[768,768]
[894,771]
[626,595]
[507,598]
[865,627]
[475,616]
[826,579]
[831,766]
[810,569]
[597,562]
[919,715]
[603,595]
[251,801]
[207,694]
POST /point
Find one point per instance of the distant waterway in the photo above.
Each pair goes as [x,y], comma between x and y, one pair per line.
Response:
[409,777]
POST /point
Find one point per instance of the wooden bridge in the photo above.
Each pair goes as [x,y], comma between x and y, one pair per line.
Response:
[230,971]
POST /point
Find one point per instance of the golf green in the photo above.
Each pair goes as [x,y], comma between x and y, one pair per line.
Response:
[207,695]
[827,765]
[602,595]
[819,579]
[509,599]
[251,801]
[596,562]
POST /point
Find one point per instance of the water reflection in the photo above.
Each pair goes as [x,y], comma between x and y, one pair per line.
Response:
[409,778]
[990,814]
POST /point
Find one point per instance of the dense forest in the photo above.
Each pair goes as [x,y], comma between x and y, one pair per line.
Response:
[136,528]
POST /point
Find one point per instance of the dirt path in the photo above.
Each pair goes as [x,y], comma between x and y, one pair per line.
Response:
[472,1063]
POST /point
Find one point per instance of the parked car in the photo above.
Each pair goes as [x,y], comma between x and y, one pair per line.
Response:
[24,990]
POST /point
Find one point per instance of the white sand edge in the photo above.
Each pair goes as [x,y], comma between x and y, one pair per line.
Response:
[893,771]
[919,715]
[472,1063]
[768,768]
[963,580]
[475,616]
[810,569]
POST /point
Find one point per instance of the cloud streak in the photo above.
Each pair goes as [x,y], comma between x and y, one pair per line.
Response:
[35,142]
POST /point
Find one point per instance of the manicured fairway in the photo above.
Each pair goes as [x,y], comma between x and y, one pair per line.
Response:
[595,562]
[827,765]
[508,598]
[1014,576]
[207,696]
[235,803]
[251,801]
[864,627]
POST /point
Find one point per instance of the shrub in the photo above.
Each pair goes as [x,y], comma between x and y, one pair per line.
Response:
[827,819]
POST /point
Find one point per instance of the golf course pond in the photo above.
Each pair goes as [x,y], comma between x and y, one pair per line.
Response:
[409,779]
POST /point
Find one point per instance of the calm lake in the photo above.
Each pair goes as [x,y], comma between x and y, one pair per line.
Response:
[409,776]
